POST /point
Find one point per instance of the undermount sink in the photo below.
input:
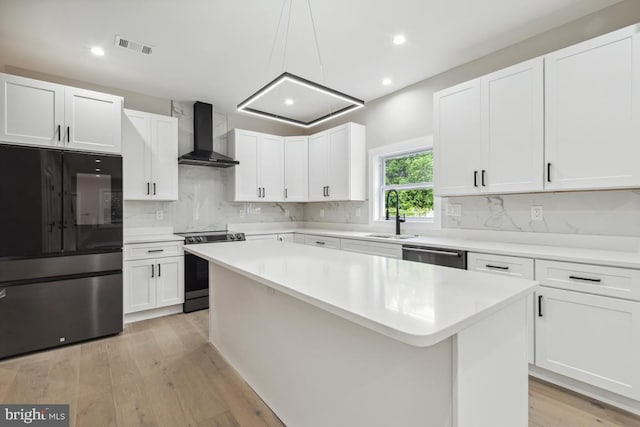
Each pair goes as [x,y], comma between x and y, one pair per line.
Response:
[392,236]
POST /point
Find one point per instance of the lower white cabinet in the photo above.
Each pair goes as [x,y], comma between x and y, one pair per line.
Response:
[286,237]
[322,241]
[151,279]
[512,267]
[389,250]
[590,338]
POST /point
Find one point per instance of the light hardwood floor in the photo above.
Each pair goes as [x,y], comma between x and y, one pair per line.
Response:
[163,372]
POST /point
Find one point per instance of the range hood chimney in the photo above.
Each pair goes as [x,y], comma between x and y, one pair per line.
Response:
[203,154]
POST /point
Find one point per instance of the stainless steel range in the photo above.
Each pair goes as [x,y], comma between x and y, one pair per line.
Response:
[196,269]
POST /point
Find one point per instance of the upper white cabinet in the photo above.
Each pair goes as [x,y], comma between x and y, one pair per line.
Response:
[489,133]
[260,175]
[45,114]
[592,115]
[150,153]
[93,120]
[457,138]
[337,164]
[296,169]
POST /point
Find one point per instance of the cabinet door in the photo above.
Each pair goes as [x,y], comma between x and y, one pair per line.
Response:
[169,281]
[318,164]
[245,150]
[457,139]
[31,111]
[339,163]
[271,168]
[136,155]
[512,128]
[592,113]
[164,155]
[590,338]
[139,285]
[93,121]
[511,267]
[296,169]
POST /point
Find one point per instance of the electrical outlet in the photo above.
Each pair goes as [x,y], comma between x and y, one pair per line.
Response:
[159,215]
[454,209]
[321,212]
[286,212]
[536,213]
[358,212]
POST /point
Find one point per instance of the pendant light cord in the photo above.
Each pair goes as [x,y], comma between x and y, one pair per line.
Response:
[286,37]
[315,38]
[275,36]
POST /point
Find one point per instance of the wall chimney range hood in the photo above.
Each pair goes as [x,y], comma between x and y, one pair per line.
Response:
[203,154]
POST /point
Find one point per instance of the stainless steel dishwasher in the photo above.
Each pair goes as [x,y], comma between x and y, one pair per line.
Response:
[453,258]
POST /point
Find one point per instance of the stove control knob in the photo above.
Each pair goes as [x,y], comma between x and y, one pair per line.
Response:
[239,237]
[200,239]
[190,239]
[232,237]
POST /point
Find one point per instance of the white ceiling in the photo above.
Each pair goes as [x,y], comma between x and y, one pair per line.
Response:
[218,51]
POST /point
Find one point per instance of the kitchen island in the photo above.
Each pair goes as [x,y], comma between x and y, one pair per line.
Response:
[327,337]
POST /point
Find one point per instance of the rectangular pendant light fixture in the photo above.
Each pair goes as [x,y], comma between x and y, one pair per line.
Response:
[334,95]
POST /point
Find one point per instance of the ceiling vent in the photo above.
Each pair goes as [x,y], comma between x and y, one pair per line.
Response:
[132,45]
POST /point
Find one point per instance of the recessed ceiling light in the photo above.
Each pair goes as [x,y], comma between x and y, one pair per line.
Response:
[399,39]
[386,81]
[97,51]
[288,101]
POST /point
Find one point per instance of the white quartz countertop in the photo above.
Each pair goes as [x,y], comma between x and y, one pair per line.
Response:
[556,253]
[152,238]
[418,304]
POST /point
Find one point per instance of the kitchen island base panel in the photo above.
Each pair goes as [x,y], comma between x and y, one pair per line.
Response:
[314,368]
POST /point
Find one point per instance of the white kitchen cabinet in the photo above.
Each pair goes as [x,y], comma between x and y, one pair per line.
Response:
[153,276]
[592,113]
[389,250]
[489,133]
[39,113]
[31,111]
[512,267]
[150,152]
[512,120]
[286,237]
[260,175]
[296,169]
[298,238]
[337,169]
[93,121]
[457,140]
[590,338]
[322,241]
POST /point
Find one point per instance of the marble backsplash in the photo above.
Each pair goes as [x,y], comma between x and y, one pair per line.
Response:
[204,200]
[611,213]
[337,212]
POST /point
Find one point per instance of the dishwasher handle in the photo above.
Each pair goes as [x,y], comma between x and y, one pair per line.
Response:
[433,251]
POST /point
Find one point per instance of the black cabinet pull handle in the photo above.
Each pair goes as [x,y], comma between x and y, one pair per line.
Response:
[152,251]
[68,134]
[586,279]
[483,174]
[539,305]
[154,188]
[548,172]
[328,191]
[475,178]
[153,270]
[58,133]
[286,193]
[159,271]
[148,188]
[319,242]
[497,267]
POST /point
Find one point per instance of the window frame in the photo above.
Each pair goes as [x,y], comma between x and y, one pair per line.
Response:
[376,180]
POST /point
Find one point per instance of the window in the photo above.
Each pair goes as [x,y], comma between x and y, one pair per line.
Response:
[411,175]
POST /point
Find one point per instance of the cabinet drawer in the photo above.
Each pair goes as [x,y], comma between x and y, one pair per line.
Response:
[298,238]
[152,250]
[325,242]
[262,237]
[498,264]
[373,248]
[607,281]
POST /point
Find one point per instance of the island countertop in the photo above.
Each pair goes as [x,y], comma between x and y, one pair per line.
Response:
[418,304]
